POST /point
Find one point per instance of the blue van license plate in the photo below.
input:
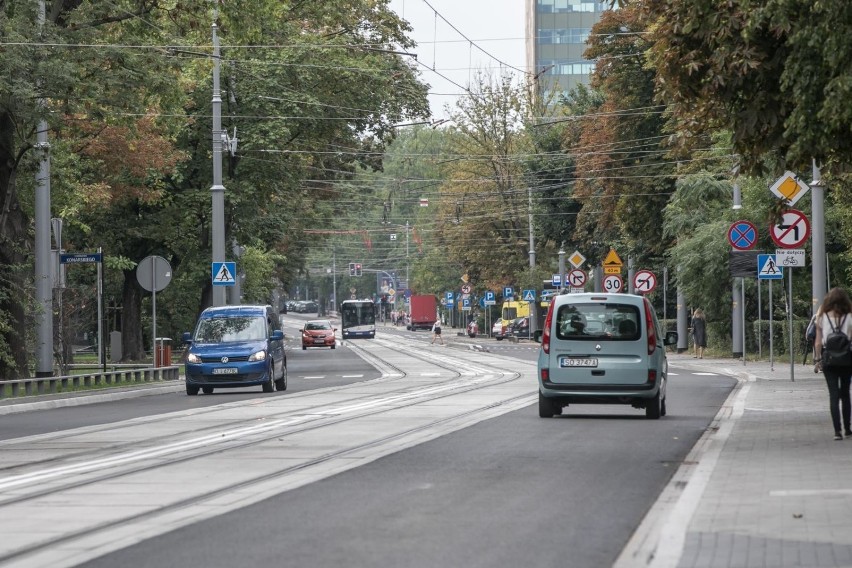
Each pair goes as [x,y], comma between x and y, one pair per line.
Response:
[578,362]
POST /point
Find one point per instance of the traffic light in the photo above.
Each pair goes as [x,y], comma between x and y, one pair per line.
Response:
[351,269]
[357,269]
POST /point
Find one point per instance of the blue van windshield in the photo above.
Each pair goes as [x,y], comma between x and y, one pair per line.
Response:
[598,322]
[231,329]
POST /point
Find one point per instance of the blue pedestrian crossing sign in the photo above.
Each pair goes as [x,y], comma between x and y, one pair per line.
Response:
[768,269]
[224,273]
[529,295]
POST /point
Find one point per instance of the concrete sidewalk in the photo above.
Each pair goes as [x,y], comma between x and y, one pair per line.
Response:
[766,486]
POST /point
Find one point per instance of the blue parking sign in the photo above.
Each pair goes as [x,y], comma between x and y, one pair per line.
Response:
[449,298]
[508,292]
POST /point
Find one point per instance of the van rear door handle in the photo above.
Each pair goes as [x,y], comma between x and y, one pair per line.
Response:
[598,373]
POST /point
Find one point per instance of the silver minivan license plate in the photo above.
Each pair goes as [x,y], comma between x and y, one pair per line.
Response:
[578,362]
[225,371]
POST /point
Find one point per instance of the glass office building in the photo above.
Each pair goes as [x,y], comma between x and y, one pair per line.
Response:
[556,32]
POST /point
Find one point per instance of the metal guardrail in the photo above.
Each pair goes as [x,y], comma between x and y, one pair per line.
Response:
[68,383]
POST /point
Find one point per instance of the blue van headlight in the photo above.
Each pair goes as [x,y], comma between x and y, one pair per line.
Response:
[259,356]
[193,358]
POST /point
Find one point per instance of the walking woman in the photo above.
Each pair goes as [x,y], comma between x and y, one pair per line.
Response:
[835,316]
[699,333]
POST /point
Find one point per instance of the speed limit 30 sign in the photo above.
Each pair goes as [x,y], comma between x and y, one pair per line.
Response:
[612,283]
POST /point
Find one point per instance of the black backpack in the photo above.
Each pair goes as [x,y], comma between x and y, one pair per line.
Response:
[835,351]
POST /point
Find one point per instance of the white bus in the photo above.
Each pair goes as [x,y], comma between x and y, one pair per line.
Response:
[358,318]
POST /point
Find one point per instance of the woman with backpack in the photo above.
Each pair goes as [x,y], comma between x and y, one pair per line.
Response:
[831,350]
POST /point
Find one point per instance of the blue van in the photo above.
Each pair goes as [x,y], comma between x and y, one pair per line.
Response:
[602,349]
[236,346]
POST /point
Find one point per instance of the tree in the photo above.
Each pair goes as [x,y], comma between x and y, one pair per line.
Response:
[769,71]
[484,209]
[332,78]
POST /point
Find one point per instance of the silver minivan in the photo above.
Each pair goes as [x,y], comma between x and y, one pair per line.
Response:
[602,349]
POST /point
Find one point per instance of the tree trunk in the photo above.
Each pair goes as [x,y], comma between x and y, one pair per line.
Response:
[132,346]
[14,243]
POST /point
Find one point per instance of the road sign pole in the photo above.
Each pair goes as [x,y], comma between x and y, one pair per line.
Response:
[771,329]
[818,260]
[154,311]
[742,311]
[101,346]
[790,319]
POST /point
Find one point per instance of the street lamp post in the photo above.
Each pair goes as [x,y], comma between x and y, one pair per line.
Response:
[217,189]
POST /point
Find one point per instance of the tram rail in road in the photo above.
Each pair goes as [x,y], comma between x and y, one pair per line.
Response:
[97,489]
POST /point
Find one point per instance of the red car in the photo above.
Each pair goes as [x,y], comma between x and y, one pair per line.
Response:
[318,333]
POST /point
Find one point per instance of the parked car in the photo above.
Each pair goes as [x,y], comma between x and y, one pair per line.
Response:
[235,346]
[603,349]
[318,333]
[520,328]
[305,307]
[498,330]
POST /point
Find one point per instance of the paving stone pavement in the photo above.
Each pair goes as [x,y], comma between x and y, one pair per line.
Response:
[778,491]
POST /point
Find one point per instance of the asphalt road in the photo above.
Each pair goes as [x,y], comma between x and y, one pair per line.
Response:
[514,490]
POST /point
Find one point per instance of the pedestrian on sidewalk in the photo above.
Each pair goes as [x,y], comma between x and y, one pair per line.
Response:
[810,337]
[699,333]
[836,310]
[436,332]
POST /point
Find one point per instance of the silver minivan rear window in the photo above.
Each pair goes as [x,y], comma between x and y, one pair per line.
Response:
[598,322]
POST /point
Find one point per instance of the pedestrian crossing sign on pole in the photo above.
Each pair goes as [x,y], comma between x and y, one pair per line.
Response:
[224,273]
[529,295]
[768,269]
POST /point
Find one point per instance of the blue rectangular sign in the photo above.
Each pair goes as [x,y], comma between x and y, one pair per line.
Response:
[768,269]
[224,273]
[80,257]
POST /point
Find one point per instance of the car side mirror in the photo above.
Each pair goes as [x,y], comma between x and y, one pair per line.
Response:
[187,337]
[671,338]
[277,335]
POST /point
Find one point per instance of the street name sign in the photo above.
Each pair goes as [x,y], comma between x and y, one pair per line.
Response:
[80,257]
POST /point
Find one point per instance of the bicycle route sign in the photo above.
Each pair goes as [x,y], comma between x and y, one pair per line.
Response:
[793,230]
[742,235]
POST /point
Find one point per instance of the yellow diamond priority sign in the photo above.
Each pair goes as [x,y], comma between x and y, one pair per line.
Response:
[789,187]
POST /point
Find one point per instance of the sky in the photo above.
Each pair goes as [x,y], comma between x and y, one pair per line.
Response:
[495,28]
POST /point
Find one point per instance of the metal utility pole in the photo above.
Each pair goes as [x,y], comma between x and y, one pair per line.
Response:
[533,322]
[680,314]
[819,280]
[562,283]
[217,190]
[43,280]
[407,261]
[737,292]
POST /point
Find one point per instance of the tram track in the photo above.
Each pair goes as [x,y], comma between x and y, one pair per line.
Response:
[305,416]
